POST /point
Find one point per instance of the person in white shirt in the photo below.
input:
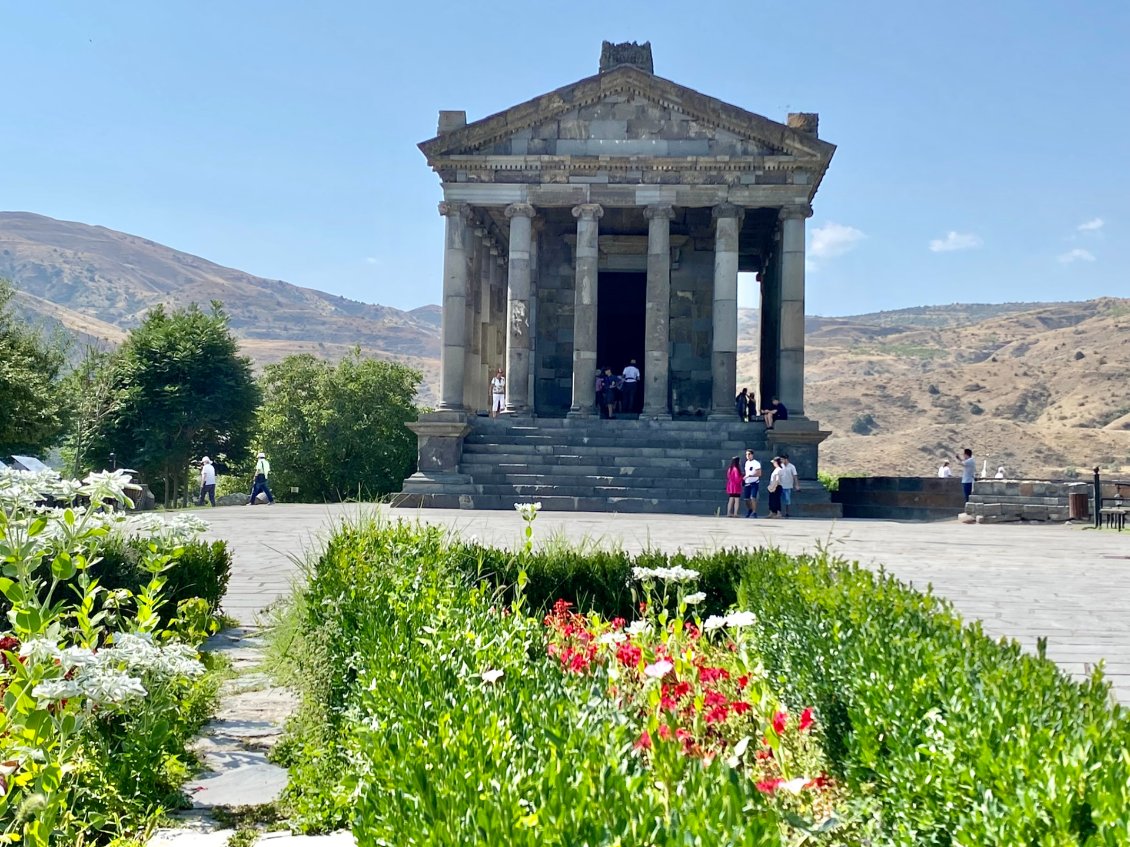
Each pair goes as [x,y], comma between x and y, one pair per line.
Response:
[968,472]
[944,471]
[259,486]
[631,383]
[207,482]
[751,483]
[497,393]
[790,482]
[1000,473]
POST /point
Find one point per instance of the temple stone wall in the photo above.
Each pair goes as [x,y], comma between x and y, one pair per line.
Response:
[691,330]
[553,362]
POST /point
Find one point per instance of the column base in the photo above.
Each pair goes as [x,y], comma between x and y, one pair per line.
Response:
[722,415]
[580,413]
[438,483]
[655,415]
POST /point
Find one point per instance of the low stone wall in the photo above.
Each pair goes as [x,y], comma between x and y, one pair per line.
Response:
[907,498]
[1008,500]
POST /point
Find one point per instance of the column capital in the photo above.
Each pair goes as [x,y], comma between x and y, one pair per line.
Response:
[659,210]
[588,211]
[801,211]
[525,210]
[449,208]
[727,210]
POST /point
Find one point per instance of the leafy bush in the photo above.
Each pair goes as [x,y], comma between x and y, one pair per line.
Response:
[100,690]
[939,735]
[199,570]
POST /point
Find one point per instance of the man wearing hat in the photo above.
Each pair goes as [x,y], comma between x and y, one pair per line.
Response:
[207,482]
[262,472]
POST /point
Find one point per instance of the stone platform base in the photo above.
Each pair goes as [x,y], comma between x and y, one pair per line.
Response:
[630,466]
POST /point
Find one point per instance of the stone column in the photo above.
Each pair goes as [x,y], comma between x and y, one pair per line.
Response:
[588,217]
[790,368]
[724,360]
[454,326]
[656,337]
[518,309]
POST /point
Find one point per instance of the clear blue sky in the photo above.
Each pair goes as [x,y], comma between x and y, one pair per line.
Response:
[280,137]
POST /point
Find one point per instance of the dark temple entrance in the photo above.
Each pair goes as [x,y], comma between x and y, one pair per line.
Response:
[621,304]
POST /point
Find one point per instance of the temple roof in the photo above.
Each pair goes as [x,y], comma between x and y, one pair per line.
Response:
[774,138]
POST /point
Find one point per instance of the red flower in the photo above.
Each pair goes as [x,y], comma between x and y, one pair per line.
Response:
[665,732]
[643,742]
[712,674]
[717,714]
[682,689]
[806,720]
[692,632]
[740,707]
[628,654]
[779,720]
[764,753]
[8,644]
[768,786]
[713,698]
[618,623]
[743,681]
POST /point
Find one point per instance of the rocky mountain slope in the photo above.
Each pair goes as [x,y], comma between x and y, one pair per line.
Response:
[1041,388]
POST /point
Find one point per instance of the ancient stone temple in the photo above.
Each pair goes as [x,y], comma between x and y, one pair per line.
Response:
[604,223]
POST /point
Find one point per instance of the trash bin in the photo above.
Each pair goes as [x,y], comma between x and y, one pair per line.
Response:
[1078,506]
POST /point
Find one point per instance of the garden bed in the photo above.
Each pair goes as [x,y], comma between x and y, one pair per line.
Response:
[458,694]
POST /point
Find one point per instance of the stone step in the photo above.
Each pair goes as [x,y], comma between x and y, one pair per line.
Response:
[633,442]
[633,505]
[524,472]
[1017,500]
[623,454]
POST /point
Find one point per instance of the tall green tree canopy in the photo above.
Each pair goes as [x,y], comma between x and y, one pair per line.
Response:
[338,431]
[181,391]
[32,403]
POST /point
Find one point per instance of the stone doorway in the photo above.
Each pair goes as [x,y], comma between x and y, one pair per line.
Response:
[620,321]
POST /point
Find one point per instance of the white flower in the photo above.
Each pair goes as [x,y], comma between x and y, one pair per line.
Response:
[658,670]
[77,657]
[491,677]
[139,654]
[57,689]
[108,685]
[101,486]
[673,574]
[739,619]
[694,599]
[528,511]
[638,628]
[41,650]
[612,638]
[739,751]
[794,786]
[714,622]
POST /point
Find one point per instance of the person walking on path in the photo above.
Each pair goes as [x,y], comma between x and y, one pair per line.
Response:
[790,482]
[751,483]
[631,383]
[775,489]
[733,487]
[207,482]
[775,412]
[259,486]
[968,472]
[497,393]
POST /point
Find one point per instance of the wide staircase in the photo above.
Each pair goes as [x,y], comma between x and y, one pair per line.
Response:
[638,466]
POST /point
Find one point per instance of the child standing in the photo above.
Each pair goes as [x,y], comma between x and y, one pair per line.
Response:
[734,487]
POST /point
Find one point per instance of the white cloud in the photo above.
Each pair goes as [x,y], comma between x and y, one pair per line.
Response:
[955,241]
[833,239]
[1076,255]
[1093,225]
[371,260]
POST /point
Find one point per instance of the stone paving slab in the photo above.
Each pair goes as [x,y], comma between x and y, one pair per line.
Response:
[1068,583]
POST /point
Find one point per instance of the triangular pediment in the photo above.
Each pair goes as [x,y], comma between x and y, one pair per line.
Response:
[627,112]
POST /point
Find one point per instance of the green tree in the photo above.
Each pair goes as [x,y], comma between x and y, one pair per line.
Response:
[180,391]
[338,431]
[32,402]
[90,386]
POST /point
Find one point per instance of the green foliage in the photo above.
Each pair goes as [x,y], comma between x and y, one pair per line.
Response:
[337,431]
[180,391]
[90,387]
[402,737]
[958,739]
[33,406]
[864,424]
[200,570]
[830,479]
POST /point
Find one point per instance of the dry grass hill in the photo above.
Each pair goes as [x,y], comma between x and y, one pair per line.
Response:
[1040,388]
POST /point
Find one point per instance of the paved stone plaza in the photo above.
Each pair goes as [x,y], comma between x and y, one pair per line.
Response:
[1067,583]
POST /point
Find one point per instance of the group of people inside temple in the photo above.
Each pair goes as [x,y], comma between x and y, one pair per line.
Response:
[746,407]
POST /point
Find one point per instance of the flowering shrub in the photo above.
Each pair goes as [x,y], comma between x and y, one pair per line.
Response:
[700,688]
[98,695]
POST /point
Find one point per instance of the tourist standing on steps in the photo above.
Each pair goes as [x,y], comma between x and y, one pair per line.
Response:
[207,482]
[262,473]
[775,412]
[775,489]
[968,472]
[790,482]
[733,487]
[751,483]
[741,404]
[609,393]
[944,471]
[631,383]
[497,393]
[598,392]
